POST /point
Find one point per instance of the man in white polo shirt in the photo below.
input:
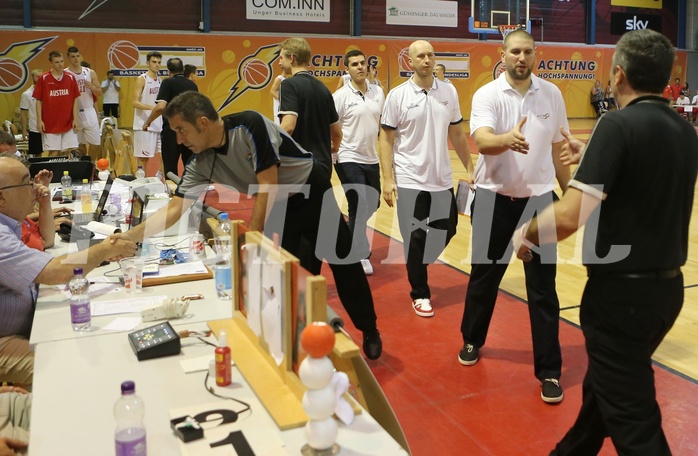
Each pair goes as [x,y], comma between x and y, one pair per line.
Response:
[419,117]
[516,121]
[359,105]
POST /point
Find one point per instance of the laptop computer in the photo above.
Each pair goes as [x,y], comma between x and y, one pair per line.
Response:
[87,217]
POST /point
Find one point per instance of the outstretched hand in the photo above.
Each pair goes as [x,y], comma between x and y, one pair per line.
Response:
[517,141]
[572,150]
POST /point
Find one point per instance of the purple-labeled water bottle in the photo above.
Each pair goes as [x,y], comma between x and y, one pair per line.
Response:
[129,410]
[80,314]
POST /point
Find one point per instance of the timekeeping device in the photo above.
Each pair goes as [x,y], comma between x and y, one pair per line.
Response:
[155,342]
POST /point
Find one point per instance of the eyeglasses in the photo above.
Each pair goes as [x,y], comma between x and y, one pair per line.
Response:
[28,184]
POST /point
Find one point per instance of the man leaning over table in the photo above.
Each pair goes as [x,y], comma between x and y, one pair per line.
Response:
[253,155]
[22,269]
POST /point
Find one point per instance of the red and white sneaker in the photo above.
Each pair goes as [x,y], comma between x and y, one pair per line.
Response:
[422,307]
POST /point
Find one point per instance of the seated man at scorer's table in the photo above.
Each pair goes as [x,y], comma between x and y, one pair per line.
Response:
[22,268]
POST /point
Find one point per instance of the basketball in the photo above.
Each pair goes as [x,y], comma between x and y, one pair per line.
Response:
[318,339]
[12,74]
[123,55]
[256,73]
[403,59]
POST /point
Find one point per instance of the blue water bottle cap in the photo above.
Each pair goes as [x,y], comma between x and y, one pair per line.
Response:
[224,216]
[77,271]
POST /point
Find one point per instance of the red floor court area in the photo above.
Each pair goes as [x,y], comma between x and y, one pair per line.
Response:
[493,407]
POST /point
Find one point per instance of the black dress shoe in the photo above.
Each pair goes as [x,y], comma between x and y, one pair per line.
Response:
[373,346]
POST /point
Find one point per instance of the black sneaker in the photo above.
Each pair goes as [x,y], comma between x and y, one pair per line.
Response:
[373,346]
[551,391]
[468,355]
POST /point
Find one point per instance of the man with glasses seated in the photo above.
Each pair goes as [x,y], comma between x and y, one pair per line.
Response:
[23,268]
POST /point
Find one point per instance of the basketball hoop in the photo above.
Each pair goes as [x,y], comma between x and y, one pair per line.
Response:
[506,29]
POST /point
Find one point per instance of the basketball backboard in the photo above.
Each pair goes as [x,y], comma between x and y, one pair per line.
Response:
[487,15]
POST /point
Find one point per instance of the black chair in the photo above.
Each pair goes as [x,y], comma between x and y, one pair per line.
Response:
[78,170]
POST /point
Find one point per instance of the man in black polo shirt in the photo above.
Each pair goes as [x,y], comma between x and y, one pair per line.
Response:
[171,87]
[306,106]
[635,186]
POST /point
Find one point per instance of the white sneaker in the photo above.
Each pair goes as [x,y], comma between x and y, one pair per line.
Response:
[368,267]
[422,307]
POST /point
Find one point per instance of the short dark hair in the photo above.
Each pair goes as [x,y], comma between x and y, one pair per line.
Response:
[647,58]
[175,65]
[72,49]
[110,72]
[190,106]
[152,54]
[53,54]
[189,70]
[352,53]
[518,32]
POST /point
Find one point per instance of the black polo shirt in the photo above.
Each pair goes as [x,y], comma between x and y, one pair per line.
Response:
[644,160]
[170,88]
[306,97]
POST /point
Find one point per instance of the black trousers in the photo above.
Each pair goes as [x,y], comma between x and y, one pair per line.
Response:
[313,229]
[362,187]
[623,321]
[171,151]
[427,223]
[494,219]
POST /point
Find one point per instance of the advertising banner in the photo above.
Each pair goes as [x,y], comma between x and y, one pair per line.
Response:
[422,13]
[289,10]
[237,72]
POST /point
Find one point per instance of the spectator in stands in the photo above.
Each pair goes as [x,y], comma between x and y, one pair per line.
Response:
[597,99]
[676,89]
[110,101]
[608,99]
[667,92]
[27,117]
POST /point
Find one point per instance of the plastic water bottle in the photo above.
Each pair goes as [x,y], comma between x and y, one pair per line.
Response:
[86,196]
[67,187]
[222,269]
[129,435]
[140,174]
[80,315]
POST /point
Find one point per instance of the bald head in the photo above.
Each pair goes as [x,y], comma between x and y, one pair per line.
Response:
[422,60]
[420,46]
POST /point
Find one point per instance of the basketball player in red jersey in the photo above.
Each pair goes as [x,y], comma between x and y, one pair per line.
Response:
[56,94]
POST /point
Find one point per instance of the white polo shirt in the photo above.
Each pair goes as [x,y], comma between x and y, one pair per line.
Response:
[421,120]
[359,115]
[499,106]
[28,103]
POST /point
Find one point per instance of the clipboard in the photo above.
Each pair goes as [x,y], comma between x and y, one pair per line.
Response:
[153,281]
